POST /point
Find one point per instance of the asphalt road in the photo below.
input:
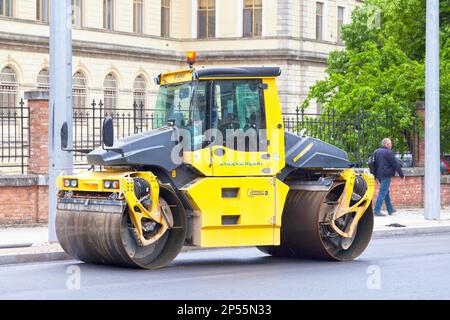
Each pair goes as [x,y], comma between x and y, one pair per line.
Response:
[391,268]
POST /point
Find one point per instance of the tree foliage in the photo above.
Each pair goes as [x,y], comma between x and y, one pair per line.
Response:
[381,71]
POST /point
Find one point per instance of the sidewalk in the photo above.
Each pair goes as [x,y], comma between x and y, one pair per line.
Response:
[20,245]
[413,221]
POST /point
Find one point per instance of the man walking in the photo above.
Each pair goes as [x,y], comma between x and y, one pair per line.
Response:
[385,167]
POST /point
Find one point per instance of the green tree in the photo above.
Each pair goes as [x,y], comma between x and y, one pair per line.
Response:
[381,71]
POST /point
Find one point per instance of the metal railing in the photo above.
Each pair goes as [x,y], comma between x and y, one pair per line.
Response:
[14,138]
[358,134]
[87,125]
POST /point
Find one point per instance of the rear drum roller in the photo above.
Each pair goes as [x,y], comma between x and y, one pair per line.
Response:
[108,238]
[305,232]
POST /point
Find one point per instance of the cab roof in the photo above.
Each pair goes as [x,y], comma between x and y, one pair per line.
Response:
[237,72]
[184,75]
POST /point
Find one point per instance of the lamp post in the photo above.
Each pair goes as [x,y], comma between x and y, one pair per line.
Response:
[432,125]
[60,99]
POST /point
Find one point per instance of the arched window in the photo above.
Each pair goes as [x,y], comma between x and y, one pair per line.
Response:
[139,91]
[8,89]
[110,93]
[139,97]
[79,91]
[43,80]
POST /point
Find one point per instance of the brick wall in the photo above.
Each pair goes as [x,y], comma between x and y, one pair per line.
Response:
[409,193]
[23,199]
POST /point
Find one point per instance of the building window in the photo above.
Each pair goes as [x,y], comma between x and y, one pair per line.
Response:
[6,8]
[165,18]
[252,18]
[340,22]
[8,89]
[77,12]
[43,80]
[319,21]
[206,24]
[110,93]
[42,10]
[79,91]
[139,91]
[108,14]
[138,16]
[139,96]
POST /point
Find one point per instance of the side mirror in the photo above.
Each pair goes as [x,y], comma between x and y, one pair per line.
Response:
[64,136]
[108,132]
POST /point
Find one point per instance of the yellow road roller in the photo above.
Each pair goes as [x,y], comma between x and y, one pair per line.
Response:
[218,169]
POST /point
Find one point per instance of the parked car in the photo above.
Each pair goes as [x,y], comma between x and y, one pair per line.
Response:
[405,159]
[445,164]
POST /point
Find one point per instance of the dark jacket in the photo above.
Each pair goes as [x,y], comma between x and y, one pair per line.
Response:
[386,164]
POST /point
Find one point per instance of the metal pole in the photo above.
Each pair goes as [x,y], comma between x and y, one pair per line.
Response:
[432,125]
[60,99]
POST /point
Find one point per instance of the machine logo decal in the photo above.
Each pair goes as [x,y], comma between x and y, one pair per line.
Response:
[241,163]
[253,193]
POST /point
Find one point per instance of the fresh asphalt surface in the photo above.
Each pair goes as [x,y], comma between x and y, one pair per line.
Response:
[391,268]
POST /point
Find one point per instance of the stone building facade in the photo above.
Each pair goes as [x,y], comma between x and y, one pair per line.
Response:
[120,45]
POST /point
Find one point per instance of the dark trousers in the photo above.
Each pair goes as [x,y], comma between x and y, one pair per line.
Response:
[383,195]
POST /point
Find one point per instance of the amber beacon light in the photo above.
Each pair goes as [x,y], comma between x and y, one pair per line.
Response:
[191,58]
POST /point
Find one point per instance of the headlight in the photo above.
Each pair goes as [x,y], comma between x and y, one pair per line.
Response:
[108,184]
[70,183]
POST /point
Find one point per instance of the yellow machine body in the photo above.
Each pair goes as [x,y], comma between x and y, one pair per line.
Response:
[238,198]
[236,211]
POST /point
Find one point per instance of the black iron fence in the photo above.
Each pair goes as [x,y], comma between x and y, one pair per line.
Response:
[87,125]
[14,138]
[359,134]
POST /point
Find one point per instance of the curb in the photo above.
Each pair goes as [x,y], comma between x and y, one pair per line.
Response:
[34,257]
[410,231]
[59,255]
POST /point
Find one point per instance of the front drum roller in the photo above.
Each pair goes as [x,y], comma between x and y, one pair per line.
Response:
[106,236]
[306,234]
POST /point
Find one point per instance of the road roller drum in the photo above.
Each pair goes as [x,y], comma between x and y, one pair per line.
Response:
[101,231]
[306,232]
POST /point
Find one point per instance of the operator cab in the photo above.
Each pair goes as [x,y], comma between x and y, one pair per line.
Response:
[227,118]
[216,105]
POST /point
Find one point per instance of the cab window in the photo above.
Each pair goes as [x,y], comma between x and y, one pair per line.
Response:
[184,105]
[238,113]
[172,105]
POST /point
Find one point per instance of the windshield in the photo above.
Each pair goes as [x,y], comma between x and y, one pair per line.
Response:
[230,107]
[183,105]
[173,105]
